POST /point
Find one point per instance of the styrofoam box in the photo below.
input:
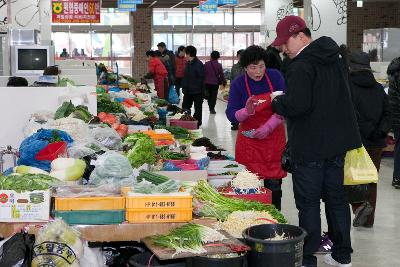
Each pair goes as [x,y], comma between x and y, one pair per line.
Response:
[221,180]
[30,206]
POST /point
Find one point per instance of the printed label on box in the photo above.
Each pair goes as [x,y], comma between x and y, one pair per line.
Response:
[25,206]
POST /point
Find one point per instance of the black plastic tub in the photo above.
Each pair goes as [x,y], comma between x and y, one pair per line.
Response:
[142,260]
[216,262]
[271,253]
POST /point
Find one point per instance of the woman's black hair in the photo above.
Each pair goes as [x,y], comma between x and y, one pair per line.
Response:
[239,52]
[191,50]
[157,53]
[51,70]
[17,82]
[273,60]
[215,55]
[150,53]
[181,48]
[252,55]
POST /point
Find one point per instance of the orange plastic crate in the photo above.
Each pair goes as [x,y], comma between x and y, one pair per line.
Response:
[158,215]
[90,203]
[159,202]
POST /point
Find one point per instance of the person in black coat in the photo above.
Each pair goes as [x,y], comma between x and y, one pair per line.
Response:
[374,121]
[322,127]
[193,84]
[393,72]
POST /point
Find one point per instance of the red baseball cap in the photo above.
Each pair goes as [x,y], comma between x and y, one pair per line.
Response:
[288,26]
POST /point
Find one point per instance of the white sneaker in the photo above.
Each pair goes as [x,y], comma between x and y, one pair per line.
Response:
[329,260]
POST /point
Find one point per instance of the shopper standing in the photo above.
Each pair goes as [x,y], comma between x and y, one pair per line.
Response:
[250,105]
[393,72]
[236,71]
[193,84]
[322,127]
[158,72]
[374,121]
[214,77]
[180,64]
[169,61]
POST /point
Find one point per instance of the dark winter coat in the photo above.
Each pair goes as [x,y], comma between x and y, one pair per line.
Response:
[372,108]
[393,72]
[193,81]
[317,105]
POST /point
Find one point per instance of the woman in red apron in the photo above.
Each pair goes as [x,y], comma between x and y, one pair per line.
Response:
[250,105]
[159,73]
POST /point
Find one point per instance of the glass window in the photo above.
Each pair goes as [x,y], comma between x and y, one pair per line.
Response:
[243,40]
[101,44]
[180,39]
[121,44]
[247,17]
[61,42]
[172,17]
[199,41]
[223,43]
[162,37]
[114,18]
[79,42]
[221,17]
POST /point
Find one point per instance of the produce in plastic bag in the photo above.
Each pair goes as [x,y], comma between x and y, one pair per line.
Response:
[108,137]
[76,128]
[145,187]
[110,166]
[57,245]
[16,250]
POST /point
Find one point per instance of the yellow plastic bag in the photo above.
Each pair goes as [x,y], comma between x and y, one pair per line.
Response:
[359,168]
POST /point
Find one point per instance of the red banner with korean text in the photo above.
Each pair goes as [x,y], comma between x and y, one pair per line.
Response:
[76,11]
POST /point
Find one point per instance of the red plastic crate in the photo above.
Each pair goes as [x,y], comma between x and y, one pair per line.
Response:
[190,125]
[52,151]
[264,197]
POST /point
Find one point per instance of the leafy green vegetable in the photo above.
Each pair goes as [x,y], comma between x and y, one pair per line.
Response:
[64,111]
[172,155]
[27,182]
[65,81]
[105,104]
[162,102]
[144,151]
[213,204]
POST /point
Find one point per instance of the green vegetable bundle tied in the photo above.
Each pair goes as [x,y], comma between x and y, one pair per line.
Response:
[210,203]
[188,238]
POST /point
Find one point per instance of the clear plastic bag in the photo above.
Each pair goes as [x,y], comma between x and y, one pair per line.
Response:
[111,167]
[73,94]
[145,187]
[81,150]
[77,129]
[32,127]
[42,116]
[108,137]
[103,190]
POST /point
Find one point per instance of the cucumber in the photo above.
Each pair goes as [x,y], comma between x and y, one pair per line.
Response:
[152,177]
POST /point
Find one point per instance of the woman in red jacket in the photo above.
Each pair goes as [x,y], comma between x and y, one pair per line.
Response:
[180,64]
[157,69]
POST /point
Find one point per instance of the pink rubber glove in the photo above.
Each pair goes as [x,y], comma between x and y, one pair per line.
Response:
[247,111]
[267,128]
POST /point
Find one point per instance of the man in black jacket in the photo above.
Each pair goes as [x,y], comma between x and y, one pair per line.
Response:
[393,72]
[374,120]
[322,127]
[193,84]
[168,59]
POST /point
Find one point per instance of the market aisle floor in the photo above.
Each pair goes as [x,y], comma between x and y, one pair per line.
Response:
[376,247]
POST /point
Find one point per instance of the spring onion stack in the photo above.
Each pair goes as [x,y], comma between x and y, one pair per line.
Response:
[188,238]
[208,202]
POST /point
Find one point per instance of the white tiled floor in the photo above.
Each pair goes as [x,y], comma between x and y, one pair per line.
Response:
[376,247]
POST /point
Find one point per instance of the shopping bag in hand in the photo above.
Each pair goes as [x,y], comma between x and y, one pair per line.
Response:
[359,168]
[173,97]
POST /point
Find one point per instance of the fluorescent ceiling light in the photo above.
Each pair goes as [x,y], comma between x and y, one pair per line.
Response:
[360,3]
[177,4]
[152,4]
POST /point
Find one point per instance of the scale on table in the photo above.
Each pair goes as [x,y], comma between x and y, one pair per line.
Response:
[7,150]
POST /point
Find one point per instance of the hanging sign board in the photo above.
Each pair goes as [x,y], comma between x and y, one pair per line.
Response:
[124,5]
[76,11]
[210,6]
[131,2]
[227,2]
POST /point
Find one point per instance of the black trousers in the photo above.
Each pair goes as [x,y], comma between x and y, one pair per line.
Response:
[178,82]
[275,185]
[311,182]
[212,90]
[187,104]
